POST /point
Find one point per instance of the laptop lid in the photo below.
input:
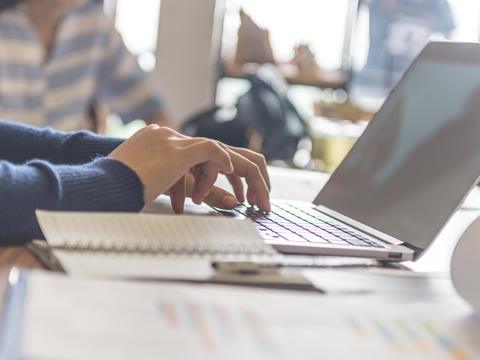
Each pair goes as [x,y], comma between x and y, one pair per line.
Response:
[420,155]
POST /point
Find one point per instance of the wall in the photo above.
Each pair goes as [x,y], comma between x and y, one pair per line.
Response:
[187,54]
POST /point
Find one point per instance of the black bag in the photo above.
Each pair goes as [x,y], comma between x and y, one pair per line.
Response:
[264,120]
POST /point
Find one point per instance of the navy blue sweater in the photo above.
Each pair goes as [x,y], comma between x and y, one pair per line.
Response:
[45,169]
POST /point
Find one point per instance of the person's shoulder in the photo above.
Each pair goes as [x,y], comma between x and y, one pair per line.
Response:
[91,9]
[12,14]
[92,15]
[92,6]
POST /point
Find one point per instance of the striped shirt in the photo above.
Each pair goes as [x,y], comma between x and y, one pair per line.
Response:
[87,63]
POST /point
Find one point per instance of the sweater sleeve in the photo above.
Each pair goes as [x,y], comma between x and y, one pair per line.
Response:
[104,184]
[51,170]
[20,143]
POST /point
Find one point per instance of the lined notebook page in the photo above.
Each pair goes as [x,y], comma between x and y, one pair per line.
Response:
[144,232]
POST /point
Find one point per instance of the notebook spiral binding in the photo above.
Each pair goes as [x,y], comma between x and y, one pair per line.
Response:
[186,247]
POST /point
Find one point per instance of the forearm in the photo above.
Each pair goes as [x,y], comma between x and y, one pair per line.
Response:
[20,143]
[103,185]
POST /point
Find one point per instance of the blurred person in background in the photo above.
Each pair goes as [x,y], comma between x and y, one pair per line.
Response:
[398,31]
[57,58]
[61,60]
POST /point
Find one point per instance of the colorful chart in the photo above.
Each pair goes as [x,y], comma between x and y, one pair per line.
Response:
[406,336]
[215,325]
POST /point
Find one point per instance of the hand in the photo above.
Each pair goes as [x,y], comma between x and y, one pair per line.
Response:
[223,199]
[220,198]
[162,158]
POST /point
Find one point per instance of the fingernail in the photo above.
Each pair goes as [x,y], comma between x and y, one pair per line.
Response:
[197,199]
[229,202]
[266,207]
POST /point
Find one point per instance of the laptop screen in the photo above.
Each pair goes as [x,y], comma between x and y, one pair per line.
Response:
[420,154]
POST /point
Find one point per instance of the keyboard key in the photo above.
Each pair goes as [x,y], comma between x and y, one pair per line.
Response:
[284,222]
[284,231]
[293,237]
[316,239]
[266,237]
[295,228]
[303,224]
[339,233]
[303,231]
[263,221]
[260,228]
[349,238]
[330,237]
[338,242]
[320,233]
[272,226]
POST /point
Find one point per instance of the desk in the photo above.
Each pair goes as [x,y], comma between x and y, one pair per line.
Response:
[362,287]
[14,256]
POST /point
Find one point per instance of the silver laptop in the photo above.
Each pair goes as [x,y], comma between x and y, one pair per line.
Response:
[404,177]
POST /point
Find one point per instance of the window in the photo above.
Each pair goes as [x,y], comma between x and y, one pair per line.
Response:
[319,23]
[324,25]
[137,21]
[391,33]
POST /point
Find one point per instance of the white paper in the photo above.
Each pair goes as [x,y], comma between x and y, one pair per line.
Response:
[71,318]
[465,265]
[135,265]
[168,267]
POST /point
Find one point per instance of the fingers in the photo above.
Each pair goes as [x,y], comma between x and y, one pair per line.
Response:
[253,167]
[216,197]
[237,186]
[251,196]
[243,162]
[258,190]
[220,198]
[177,196]
[202,150]
[205,176]
[208,158]
[256,158]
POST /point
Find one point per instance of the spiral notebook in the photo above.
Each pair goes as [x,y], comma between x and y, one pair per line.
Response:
[144,233]
[145,246]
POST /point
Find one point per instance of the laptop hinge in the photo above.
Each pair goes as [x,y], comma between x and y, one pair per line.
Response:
[417,251]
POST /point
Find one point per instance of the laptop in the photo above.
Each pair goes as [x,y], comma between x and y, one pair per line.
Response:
[405,176]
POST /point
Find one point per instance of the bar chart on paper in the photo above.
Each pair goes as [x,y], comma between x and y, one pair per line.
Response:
[410,338]
[215,327]
[273,332]
[183,321]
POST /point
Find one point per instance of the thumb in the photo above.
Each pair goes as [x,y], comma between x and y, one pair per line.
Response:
[220,198]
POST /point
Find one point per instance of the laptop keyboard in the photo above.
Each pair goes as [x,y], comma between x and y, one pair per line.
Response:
[297,224]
